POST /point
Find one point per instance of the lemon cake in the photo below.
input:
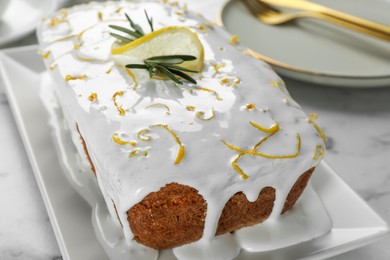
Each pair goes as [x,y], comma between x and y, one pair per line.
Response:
[189,136]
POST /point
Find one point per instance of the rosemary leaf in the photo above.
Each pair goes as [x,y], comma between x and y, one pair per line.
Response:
[121,38]
[183,57]
[183,75]
[166,61]
[166,65]
[122,29]
[169,74]
[136,66]
[150,21]
[135,26]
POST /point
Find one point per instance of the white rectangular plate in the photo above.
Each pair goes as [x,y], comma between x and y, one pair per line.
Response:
[354,223]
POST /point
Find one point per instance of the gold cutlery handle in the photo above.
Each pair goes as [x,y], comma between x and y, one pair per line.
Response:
[373,28]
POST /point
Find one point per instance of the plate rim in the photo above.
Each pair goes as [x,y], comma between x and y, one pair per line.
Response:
[381,230]
[280,66]
[11,37]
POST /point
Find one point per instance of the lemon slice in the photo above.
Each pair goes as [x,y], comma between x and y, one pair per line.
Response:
[172,40]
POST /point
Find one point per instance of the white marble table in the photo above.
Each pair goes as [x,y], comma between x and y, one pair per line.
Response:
[356,121]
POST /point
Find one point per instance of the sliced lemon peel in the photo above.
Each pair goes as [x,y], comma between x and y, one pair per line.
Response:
[118,140]
[168,111]
[144,39]
[181,152]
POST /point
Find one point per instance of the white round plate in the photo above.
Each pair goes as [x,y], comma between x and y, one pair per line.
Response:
[22,16]
[317,51]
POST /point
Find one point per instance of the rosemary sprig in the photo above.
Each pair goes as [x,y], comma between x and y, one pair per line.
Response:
[150,21]
[168,66]
[136,31]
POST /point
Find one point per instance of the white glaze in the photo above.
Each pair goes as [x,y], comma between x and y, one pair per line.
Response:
[206,164]
[307,220]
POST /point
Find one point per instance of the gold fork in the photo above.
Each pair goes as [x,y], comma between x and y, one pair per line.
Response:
[272,16]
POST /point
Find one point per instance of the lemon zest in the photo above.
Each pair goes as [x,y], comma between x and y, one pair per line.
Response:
[181,152]
[132,76]
[142,135]
[55,21]
[45,55]
[118,140]
[93,97]
[168,111]
[311,120]
[272,129]
[263,141]
[313,116]
[190,108]
[210,91]
[63,38]
[201,116]
[236,81]
[70,77]
[118,10]
[234,40]
[250,106]
[100,16]
[89,59]
[52,66]
[269,156]
[120,108]
[110,69]
[237,168]
[224,81]
[319,152]
[277,83]
[217,67]
[135,152]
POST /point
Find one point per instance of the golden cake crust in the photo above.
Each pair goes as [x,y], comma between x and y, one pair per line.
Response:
[175,214]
